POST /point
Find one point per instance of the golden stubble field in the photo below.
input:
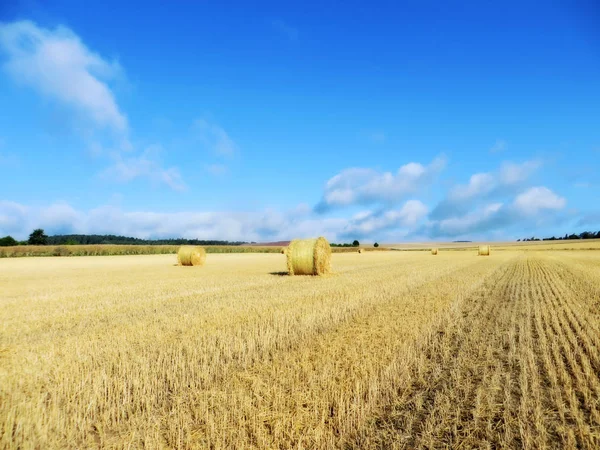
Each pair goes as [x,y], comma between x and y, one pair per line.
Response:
[394,350]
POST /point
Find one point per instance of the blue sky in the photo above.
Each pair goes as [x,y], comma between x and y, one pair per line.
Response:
[382,121]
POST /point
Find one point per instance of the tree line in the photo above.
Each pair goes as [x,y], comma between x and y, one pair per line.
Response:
[38,237]
[584,235]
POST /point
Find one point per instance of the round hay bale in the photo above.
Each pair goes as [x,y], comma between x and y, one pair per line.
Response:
[434,251]
[191,255]
[309,257]
[360,250]
[283,251]
[484,250]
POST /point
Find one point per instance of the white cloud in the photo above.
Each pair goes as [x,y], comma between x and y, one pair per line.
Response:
[288,31]
[369,223]
[12,215]
[216,169]
[145,165]
[532,208]
[301,210]
[215,138]
[60,217]
[267,225]
[479,184]
[378,137]
[57,64]
[499,146]
[484,186]
[360,186]
[538,198]
[511,174]
[472,222]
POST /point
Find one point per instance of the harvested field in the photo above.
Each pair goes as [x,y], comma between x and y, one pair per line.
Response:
[392,350]
[575,244]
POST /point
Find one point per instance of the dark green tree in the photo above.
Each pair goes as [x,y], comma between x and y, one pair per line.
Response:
[38,237]
[8,241]
[375,245]
[355,243]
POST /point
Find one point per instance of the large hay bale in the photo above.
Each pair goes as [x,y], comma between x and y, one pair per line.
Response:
[283,250]
[484,250]
[360,250]
[309,257]
[434,251]
[191,255]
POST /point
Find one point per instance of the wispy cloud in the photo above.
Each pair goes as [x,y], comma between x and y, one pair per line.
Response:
[285,29]
[362,186]
[57,64]
[378,137]
[145,165]
[12,217]
[590,219]
[499,146]
[216,169]
[215,138]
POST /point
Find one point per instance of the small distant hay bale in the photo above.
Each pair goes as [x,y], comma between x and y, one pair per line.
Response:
[484,250]
[434,251]
[309,257]
[360,250]
[283,251]
[191,255]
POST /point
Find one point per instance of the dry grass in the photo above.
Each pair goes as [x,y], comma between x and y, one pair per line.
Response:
[112,250]
[396,350]
[587,244]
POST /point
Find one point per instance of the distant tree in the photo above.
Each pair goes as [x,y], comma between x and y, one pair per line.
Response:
[38,237]
[8,241]
[375,245]
[355,243]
